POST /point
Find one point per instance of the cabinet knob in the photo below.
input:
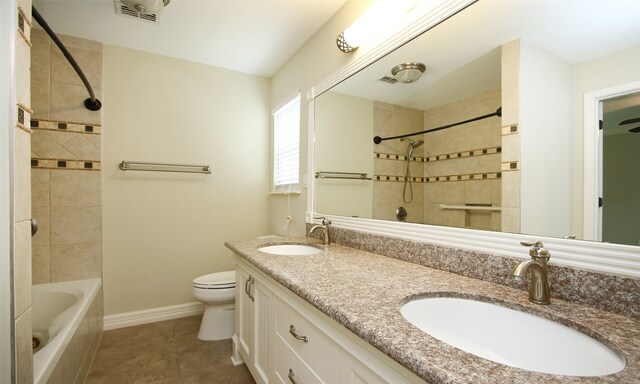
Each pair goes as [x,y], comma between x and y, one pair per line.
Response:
[292,331]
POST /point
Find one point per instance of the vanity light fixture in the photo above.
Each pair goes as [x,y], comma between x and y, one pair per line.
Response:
[408,72]
[381,15]
[146,6]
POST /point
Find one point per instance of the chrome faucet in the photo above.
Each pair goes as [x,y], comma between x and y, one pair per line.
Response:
[539,285]
[325,227]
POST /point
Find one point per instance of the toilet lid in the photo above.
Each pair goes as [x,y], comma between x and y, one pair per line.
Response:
[218,280]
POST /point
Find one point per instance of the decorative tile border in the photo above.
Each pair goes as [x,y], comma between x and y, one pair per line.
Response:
[23,116]
[509,166]
[66,164]
[24,26]
[436,179]
[509,129]
[62,126]
[440,157]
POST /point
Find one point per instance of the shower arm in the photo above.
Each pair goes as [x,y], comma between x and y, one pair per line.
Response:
[498,112]
[91,103]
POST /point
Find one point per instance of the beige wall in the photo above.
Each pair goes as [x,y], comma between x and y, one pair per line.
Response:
[318,59]
[65,153]
[161,230]
[343,143]
[615,69]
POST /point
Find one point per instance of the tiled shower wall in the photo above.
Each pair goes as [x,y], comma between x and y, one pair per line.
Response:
[389,162]
[65,161]
[463,164]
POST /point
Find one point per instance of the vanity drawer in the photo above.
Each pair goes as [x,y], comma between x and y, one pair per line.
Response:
[319,351]
[290,368]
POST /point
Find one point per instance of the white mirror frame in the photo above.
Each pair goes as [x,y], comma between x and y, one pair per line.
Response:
[623,260]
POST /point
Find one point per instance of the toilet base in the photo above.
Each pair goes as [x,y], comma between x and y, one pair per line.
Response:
[218,322]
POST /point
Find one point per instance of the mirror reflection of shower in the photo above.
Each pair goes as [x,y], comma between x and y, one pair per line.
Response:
[407,176]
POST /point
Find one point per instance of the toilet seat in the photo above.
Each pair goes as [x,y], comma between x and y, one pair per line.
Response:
[218,280]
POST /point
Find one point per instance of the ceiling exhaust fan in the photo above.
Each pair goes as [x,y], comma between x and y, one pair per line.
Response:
[632,121]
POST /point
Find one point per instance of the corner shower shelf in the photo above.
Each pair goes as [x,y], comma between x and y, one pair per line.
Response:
[470,208]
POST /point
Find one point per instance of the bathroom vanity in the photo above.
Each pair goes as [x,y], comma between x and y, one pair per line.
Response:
[334,317]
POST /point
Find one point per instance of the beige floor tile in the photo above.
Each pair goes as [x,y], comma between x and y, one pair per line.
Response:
[220,375]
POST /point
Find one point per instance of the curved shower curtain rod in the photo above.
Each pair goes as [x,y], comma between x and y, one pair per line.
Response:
[498,112]
[91,103]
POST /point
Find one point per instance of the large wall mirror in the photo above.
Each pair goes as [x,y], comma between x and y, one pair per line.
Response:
[520,171]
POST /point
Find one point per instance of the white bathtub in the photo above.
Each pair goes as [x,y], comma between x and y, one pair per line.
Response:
[57,312]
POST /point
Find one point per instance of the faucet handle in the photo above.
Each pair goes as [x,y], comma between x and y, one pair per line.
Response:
[537,249]
[325,221]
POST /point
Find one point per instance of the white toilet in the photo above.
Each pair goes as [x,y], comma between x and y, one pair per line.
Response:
[217,292]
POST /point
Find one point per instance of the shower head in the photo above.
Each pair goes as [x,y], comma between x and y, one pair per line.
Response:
[413,144]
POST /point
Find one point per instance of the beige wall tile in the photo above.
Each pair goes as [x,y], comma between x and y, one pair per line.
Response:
[67,104]
[81,147]
[41,264]
[511,220]
[22,176]
[478,192]
[68,364]
[77,42]
[76,261]
[75,188]
[39,188]
[510,82]
[496,221]
[24,359]
[40,94]
[54,378]
[479,219]
[511,189]
[496,192]
[40,55]
[22,267]
[22,71]
[89,61]
[454,193]
[75,225]
[42,216]
[511,147]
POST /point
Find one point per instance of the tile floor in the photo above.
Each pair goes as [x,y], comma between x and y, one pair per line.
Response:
[167,352]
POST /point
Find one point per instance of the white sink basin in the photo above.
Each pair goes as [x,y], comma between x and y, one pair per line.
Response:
[290,250]
[511,337]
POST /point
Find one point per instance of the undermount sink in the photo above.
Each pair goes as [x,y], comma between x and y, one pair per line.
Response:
[290,250]
[511,337]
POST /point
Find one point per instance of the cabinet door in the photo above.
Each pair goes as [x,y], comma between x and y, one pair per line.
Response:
[244,316]
[262,330]
[353,371]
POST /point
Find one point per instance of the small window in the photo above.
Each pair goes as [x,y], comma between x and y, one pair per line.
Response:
[286,146]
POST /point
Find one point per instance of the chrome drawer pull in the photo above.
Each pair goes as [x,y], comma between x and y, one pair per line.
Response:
[291,374]
[292,331]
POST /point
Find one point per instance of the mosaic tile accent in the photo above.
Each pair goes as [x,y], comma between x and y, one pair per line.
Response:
[23,115]
[509,130]
[24,26]
[510,166]
[435,179]
[440,157]
[67,126]
[39,163]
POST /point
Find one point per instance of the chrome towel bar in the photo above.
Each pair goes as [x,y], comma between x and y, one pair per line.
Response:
[164,167]
[342,175]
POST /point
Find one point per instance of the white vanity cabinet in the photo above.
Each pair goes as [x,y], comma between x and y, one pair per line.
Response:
[253,336]
[285,340]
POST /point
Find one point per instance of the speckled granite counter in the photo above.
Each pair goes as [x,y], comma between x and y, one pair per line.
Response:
[363,291]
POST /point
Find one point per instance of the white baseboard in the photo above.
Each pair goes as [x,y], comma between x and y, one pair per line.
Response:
[129,319]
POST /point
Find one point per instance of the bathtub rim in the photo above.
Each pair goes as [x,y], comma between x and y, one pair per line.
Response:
[43,365]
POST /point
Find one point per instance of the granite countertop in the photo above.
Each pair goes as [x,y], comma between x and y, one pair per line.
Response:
[363,292]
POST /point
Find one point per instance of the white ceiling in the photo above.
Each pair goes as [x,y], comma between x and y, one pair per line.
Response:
[251,36]
[461,56]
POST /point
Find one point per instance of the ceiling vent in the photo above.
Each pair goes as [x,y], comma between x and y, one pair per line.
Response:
[388,79]
[123,10]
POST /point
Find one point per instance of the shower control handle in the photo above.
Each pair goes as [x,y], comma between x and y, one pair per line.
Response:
[291,376]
